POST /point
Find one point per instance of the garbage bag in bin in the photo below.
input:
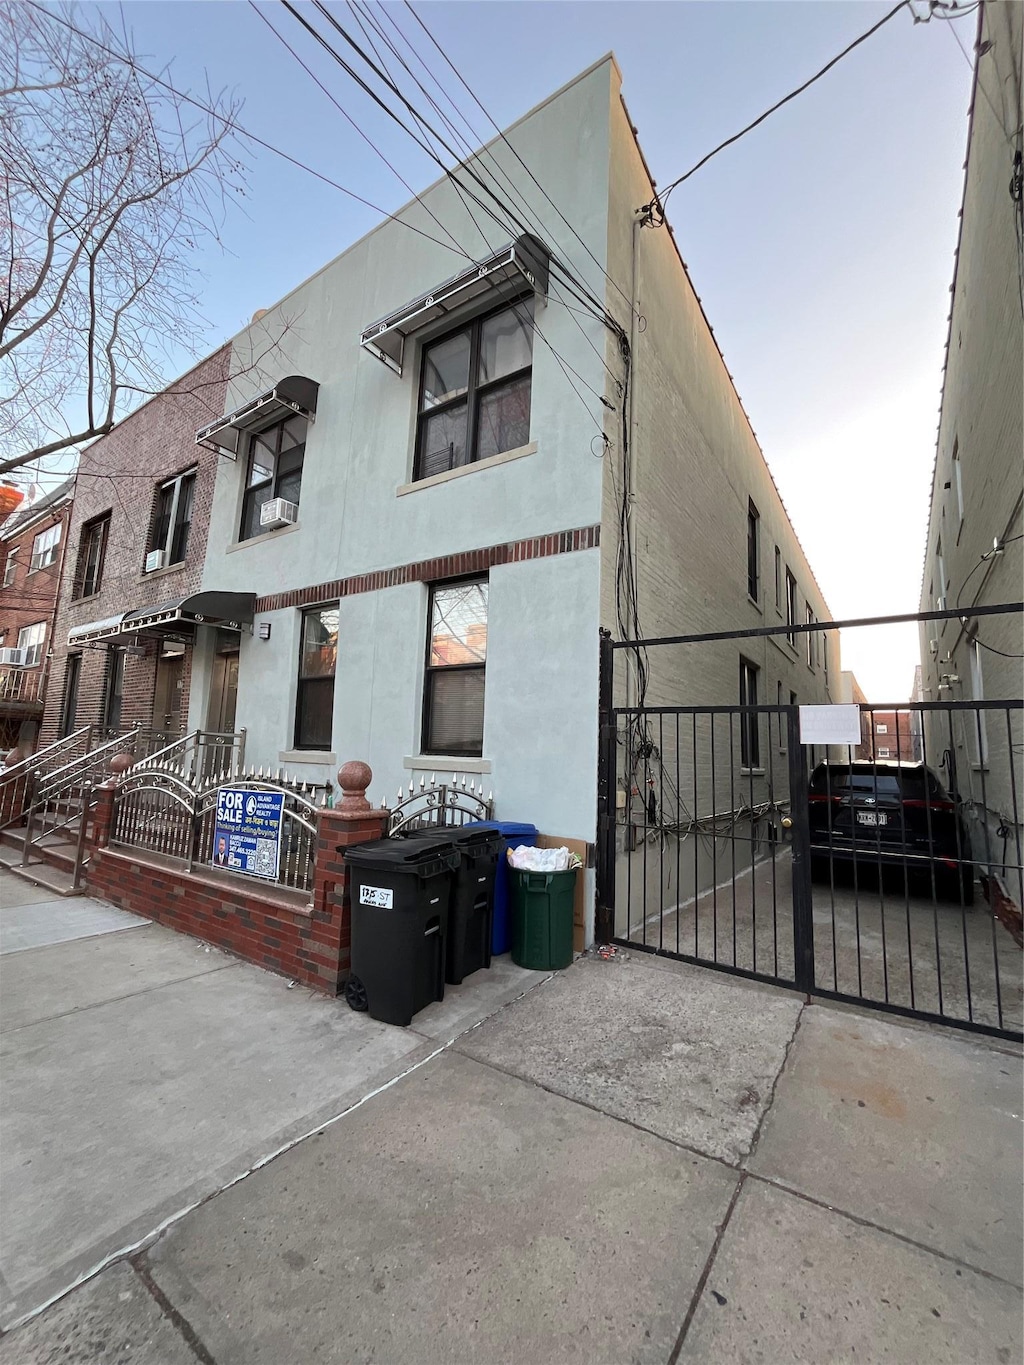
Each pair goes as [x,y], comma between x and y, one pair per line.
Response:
[400,891]
[470,913]
[542,906]
[513,833]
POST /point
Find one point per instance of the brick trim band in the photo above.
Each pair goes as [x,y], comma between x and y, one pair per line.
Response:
[430,570]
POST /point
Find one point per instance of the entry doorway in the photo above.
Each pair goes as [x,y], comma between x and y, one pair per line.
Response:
[220,716]
[167,693]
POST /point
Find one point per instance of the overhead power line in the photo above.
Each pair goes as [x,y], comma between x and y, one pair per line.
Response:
[658,203]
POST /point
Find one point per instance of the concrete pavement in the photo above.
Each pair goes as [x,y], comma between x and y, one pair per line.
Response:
[639,1161]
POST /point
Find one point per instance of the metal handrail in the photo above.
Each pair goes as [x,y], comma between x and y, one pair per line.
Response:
[79,767]
[32,762]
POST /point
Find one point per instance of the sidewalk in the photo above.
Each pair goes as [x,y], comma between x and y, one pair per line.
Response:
[636,1161]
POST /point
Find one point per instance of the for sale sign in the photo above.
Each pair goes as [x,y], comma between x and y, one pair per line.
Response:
[247,833]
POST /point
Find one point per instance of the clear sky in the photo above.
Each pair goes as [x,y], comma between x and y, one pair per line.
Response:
[821,244]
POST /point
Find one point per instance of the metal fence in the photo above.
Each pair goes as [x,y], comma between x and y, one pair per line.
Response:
[434,805]
[166,813]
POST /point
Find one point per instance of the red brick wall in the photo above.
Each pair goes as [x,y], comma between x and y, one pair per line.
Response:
[119,474]
[311,944]
[31,597]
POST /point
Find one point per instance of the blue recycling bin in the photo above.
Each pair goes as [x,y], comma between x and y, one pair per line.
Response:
[514,834]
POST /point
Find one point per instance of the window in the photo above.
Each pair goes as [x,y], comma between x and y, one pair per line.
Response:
[750,748]
[318,659]
[753,552]
[778,580]
[475,391]
[453,693]
[790,607]
[810,639]
[114,696]
[783,719]
[940,601]
[881,729]
[11,567]
[172,517]
[883,753]
[958,481]
[44,549]
[275,471]
[92,547]
[31,639]
[69,701]
[976,719]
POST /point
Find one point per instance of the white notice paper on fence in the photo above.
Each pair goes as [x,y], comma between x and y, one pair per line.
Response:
[830,724]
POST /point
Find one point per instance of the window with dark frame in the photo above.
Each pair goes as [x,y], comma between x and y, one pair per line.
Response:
[778,580]
[69,700]
[172,517]
[810,639]
[274,471]
[114,698]
[318,661]
[92,548]
[753,551]
[453,689]
[790,606]
[750,741]
[475,388]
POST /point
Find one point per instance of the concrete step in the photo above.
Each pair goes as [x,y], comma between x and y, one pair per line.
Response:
[55,850]
[41,874]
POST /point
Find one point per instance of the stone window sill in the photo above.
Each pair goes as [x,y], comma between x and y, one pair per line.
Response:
[294,756]
[447,475]
[263,536]
[446,763]
[162,573]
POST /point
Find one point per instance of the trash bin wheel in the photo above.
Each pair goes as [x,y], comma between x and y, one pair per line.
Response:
[355,994]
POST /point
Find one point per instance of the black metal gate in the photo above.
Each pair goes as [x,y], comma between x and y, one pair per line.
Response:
[893,882]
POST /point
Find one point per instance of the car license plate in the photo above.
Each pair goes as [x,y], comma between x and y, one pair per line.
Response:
[871,817]
[382,897]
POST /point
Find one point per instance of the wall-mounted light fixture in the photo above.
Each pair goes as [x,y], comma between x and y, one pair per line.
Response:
[264,630]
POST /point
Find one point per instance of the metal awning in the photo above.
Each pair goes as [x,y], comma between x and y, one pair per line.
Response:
[228,610]
[293,396]
[523,263]
[106,629]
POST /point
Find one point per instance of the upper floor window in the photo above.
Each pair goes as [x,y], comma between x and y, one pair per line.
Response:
[453,701]
[790,606]
[10,567]
[753,552]
[274,471]
[172,518]
[778,580]
[958,481]
[810,639]
[44,548]
[92,547]
[750,740]
[940,601]
[475,390]
[31,639]
[318,661]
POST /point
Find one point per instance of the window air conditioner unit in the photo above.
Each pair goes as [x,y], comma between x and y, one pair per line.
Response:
[156,559]
[279,512]
[13,658]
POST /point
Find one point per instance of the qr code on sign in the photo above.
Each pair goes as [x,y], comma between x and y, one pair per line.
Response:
[265,861]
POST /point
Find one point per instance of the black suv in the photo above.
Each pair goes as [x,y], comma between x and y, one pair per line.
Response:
[878,814]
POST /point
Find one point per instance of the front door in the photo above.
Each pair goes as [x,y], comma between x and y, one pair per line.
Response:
[167,694]
[223,693]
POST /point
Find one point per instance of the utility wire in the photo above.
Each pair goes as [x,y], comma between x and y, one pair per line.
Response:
[658,203]
[232,123]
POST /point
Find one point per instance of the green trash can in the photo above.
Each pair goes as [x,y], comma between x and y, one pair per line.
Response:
[542,904]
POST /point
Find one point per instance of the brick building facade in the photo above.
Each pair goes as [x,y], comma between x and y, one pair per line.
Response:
[32,550]
[122,652]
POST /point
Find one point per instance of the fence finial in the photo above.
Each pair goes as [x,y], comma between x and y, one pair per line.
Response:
[353,778]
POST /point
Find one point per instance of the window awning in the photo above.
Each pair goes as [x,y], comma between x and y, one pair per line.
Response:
[228,610]
[293,396]
[523,263]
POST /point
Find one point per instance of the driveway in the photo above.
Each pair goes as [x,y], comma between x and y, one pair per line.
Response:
[639,1161]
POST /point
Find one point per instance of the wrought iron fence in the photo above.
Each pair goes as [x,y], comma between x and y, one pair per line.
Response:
[434,805]
[172,814]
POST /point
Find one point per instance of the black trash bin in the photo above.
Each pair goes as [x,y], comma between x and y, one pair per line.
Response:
[471,913]
[400,891]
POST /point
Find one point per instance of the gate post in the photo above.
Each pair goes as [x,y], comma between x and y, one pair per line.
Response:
[604,918]
[803,901]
